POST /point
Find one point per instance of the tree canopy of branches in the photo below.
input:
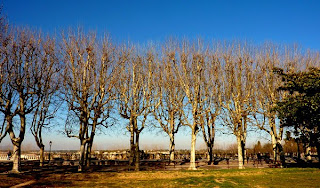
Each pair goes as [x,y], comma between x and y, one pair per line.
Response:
[49,102]
[169,98]
[88,79]
[195,67]
[239,92]
[24,57]
[213,100]
[267,95]
[301,109]
[134,90]
[181,83]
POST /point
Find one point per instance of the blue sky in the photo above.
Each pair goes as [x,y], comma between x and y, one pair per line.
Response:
[279,21]
[142,21]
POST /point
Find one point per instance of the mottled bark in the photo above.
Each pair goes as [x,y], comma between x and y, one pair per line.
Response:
[82,156]
[274,147]
[172,147]
[193,150]
[16,158]
[276,137]
[16,141]
[88,154]
[240,152]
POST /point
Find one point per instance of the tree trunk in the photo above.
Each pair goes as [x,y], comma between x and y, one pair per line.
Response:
[16,156]
[277,148]
[137,153]
[88,154]
[172,147]
[132,146]
[90,143]
[212,135]
[274,147]
[275,139]
[132,143]
[244,151]
[240,152]
[41,155]
[210,154]
[17,141]
[298,148]
[82,156]
[193,150]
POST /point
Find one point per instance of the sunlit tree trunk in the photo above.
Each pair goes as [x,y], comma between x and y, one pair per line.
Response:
[274,147]
[17,141]
[193,150]
[16,158]
[172,147]
[88,154]
[82,156]
[276,138]
[240,152]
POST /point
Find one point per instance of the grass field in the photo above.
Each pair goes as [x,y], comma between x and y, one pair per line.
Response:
[292,177]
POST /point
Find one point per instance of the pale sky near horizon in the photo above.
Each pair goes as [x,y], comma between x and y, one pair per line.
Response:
[284,21]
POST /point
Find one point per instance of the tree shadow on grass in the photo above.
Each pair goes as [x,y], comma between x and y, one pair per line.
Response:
[303,164]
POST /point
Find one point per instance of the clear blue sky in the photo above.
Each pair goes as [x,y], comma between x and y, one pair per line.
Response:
[286,21]
[154,20]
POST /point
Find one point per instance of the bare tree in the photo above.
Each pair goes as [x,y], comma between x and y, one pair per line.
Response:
[88,79]
[21,56]
[47,90]
[238,89]
[134,89]
[268,82]
[169,99]
[190,68]
[267,96]
[5,90]
[214,99]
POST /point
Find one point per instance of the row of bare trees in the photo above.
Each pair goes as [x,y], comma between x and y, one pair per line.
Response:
[177,83]
[28,78]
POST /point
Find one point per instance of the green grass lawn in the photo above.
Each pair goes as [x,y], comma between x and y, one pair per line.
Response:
[293,177]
